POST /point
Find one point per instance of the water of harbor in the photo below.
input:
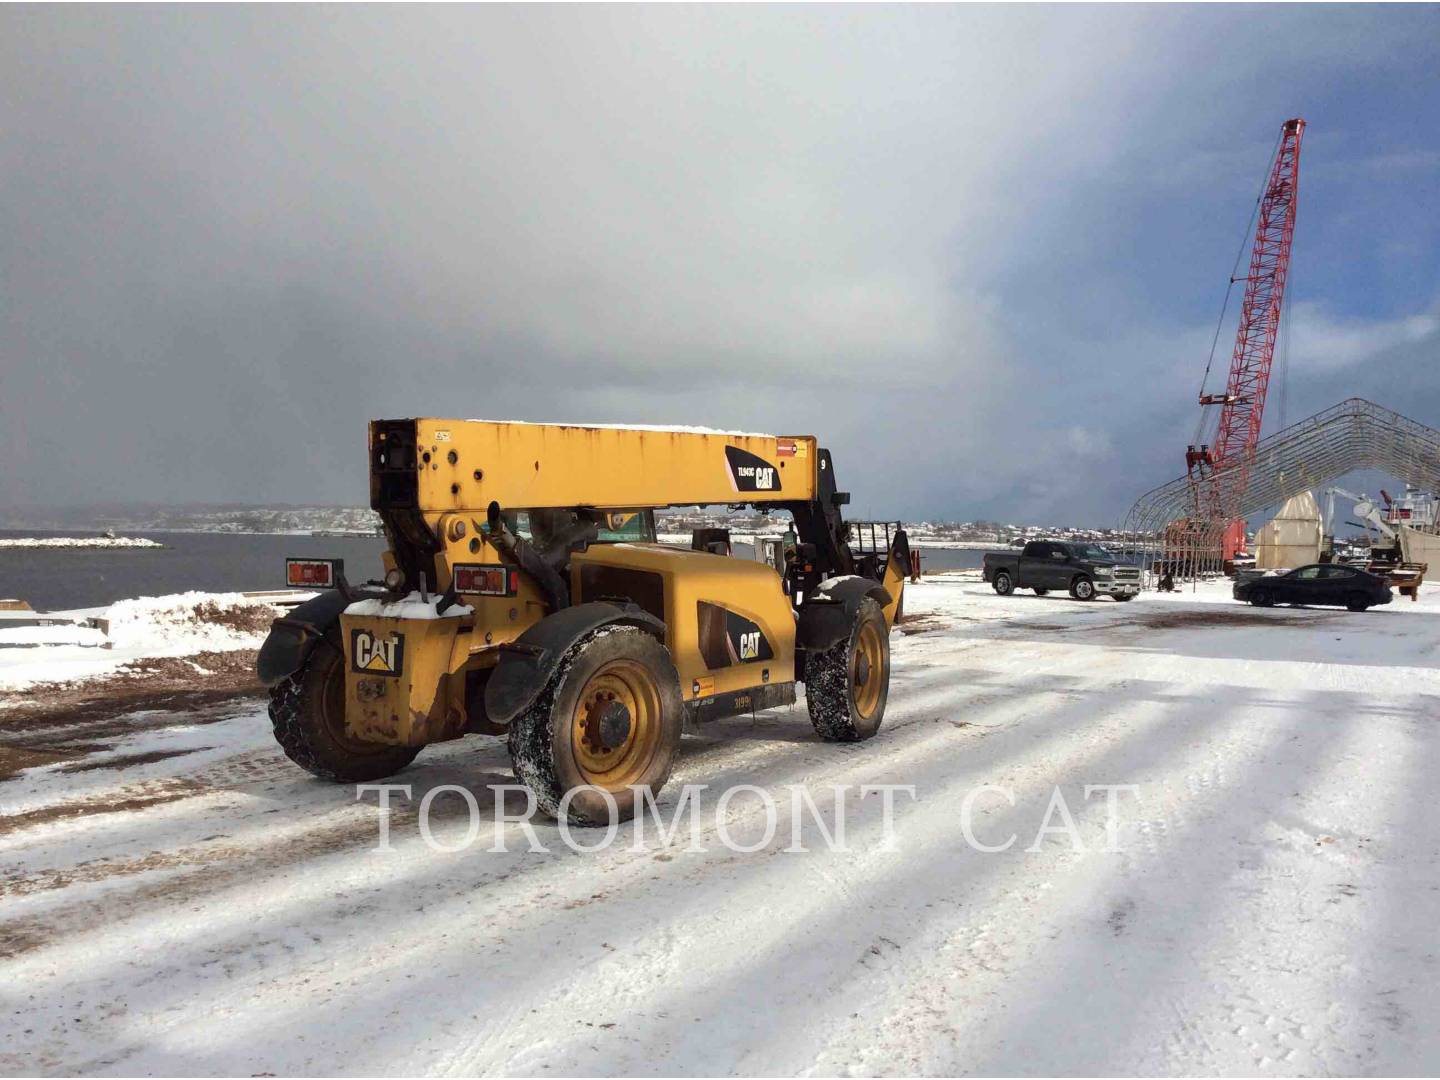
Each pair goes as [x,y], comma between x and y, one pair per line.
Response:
[59,579]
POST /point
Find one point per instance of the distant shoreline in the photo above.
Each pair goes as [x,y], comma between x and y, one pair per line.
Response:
[80,534]
[78,543]
[665,537]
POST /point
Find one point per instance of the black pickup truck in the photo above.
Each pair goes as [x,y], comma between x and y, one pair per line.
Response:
[1083,569]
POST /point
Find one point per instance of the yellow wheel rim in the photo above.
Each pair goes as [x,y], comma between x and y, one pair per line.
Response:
[615,729]
[867,670]
[332,714]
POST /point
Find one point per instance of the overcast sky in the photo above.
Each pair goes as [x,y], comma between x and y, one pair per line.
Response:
[978,251]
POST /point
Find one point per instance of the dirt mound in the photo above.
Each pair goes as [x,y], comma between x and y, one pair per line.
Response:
[187,622]
[247,618]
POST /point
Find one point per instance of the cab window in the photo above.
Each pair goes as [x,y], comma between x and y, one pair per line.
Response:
[627,526]
[615,526]
[1307,573]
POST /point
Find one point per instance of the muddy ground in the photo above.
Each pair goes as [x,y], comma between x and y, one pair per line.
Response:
[67,721]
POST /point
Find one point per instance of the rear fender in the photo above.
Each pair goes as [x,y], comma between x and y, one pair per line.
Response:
[294,636]
[527,663]
[990,566]
[826,619]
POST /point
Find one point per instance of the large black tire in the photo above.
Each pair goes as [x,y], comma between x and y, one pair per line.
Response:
[1003,583]
[1123,597]
[846,686]
[1082,588]
[1040,591]
[307,710]
[1356,602]
[1262,598]
[560,742]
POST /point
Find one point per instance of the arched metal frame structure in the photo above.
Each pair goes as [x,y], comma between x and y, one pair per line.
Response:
[1356,434]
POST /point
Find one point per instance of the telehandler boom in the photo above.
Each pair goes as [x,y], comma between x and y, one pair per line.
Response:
[525,594]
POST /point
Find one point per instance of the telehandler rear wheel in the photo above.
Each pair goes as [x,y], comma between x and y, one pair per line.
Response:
[609,718]
[846,686]
[308,712]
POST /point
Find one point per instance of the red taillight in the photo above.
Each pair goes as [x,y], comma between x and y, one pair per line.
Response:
[313,573]
[486,580]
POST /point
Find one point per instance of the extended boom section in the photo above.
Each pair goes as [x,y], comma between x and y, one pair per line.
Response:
[452,465]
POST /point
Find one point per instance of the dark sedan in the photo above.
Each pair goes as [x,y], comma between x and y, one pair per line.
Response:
[1318,584]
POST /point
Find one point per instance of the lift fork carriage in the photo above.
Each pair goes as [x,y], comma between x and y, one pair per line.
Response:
[525,593]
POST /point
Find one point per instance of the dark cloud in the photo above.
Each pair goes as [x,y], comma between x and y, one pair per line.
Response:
[971,248]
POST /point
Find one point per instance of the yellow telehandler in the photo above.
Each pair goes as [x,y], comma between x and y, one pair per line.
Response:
[525,594]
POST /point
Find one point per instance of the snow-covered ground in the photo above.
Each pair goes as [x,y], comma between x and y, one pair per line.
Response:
[182,624]
[78,542]
[186,901]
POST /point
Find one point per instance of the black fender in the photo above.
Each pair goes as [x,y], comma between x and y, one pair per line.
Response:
[826,619]
[527,663]
[293,636]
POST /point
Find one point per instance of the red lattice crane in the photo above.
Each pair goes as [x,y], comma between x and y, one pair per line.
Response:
[1220,472]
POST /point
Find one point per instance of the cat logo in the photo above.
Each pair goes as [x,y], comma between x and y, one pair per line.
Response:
[376,656]
[750,645]
[751,473]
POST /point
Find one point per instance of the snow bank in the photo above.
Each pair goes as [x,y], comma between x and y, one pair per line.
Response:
[79,542]
[152,626]
[196,621]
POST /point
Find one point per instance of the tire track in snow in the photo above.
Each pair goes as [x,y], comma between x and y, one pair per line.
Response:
[1027,924]
[292,961]
[435,866]
[800,1020]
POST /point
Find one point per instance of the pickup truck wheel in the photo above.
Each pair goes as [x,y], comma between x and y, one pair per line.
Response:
[1356,602]
[846,685]
[609,718]
[1039,591]
[1082,588]
[1003,583]
[307,711]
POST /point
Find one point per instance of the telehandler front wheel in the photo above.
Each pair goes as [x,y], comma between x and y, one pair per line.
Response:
[609,718]
[307,709]
[846,685]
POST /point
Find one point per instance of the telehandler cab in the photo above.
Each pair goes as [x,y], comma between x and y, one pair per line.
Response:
[525,594]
